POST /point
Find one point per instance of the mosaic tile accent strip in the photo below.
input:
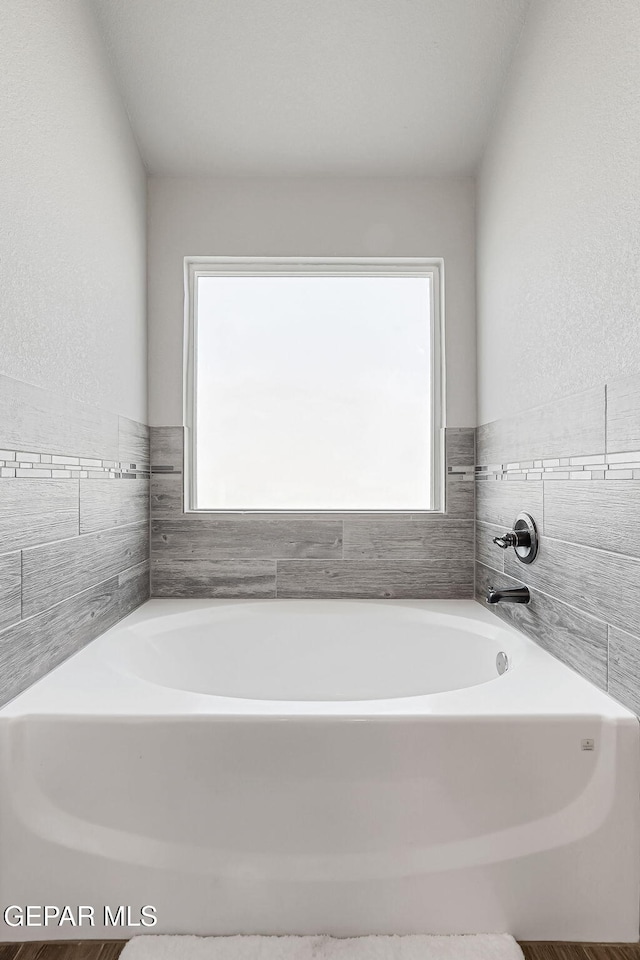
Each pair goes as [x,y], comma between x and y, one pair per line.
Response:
[585,583]
[74,548]
[605,466]
[466,473]
[33,466]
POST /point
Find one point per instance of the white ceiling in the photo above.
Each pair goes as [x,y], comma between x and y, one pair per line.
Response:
[317,87]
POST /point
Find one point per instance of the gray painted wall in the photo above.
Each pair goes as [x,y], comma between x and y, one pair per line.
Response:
[73,385]
[73,201]
[558,210]
[309,217]
[558,282]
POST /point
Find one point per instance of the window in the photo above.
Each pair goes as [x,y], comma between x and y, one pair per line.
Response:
[313,385]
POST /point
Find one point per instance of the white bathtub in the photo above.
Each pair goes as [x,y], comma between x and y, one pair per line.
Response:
[320,767]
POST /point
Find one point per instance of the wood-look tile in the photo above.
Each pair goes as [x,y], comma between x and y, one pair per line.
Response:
[33,647]
[486,550]
[166,445]
[247,579]
[217,537]
[134,588]
[603,585]
[376,579]
[133,441]
[460,446]
[111,950]
[598,513]
[300,516]
[424,539]
[9,951]
[10,586]
[623,415]
[486,577]
[578,640]
[365,518]
[69,950]
[53,572]
[166,495]
[37,511]
[63,950]
[558,950]
[460,499]
[532,950]
[624,667]
[42,421]
[571,426]
[500,501]
[112,503]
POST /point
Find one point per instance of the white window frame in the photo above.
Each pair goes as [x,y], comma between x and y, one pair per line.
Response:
[433,268]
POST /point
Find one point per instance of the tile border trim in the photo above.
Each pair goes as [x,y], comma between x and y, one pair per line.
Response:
[605,466]
[28,465]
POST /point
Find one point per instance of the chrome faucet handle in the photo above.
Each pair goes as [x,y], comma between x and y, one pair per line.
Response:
[523,538]
[508,540]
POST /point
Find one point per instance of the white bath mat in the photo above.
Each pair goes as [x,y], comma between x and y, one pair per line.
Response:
[477,947]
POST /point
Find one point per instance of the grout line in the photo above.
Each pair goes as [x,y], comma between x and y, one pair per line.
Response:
[21,585]
[336,560]
[494,569]
[571,606]
[82,536]
[73,596]
[113,578]
[132,566]
[475,553]
[585,546]
[550,596]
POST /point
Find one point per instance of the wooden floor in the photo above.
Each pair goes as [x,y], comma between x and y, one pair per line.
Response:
[541,950]
[110,950]
[70,950]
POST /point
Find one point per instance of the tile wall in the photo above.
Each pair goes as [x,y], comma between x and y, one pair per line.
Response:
[74,544]
[575,466]
[298,555]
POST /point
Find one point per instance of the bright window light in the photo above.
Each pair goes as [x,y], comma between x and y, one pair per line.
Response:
[313,392]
